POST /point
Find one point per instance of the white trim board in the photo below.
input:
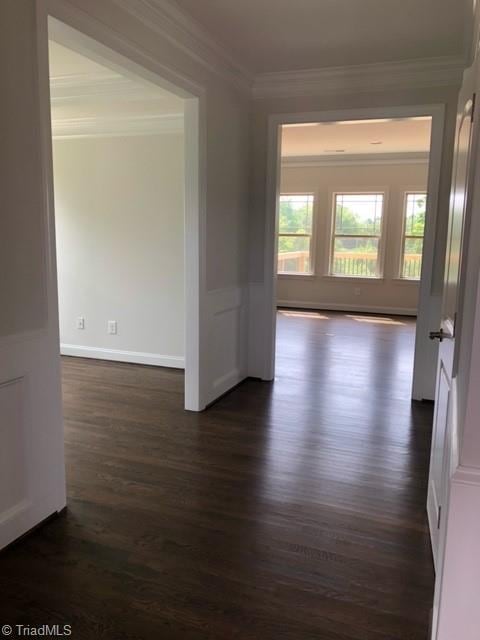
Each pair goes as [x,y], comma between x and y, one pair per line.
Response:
[117,355]
[335,306]
[364,78]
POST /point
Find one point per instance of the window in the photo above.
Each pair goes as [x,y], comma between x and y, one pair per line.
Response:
[295,234]
[356,237]
[413,231]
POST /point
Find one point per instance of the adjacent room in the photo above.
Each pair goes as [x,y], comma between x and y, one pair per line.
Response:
[352,211]
[352,214]
[118,160]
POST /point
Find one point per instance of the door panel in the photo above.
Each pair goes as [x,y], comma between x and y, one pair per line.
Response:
[32,482]
[457,217]
[436,486]
[451,303]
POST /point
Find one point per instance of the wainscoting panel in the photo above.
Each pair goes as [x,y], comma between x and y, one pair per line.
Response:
[227,322]
[13,450]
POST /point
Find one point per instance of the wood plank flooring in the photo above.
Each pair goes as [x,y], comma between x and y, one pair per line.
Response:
[293,510]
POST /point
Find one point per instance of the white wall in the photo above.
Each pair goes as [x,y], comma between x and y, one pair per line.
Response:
[386,294]
[119,216]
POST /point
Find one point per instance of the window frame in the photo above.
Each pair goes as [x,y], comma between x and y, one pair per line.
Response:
[407,193]
[313,243]
[381,237]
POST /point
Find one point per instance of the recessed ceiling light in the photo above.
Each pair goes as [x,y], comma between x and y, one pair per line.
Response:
[377,142]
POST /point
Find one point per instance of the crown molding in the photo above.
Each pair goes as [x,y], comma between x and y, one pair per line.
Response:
[112,126]
[72,87]
[355,159]
[82,85]
[185,33]
[407,74]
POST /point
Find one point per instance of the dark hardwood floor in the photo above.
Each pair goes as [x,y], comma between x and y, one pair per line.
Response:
[293,510]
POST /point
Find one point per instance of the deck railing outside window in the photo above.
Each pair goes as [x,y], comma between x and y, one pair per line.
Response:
[295,234]
[357,232]
[413,232]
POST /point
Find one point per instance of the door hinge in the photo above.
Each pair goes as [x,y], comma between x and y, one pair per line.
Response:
[439,516]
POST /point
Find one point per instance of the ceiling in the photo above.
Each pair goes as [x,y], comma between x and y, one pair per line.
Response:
[288,35]
[87,96]
[399,136]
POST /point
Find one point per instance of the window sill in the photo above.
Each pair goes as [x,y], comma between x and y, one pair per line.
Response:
[405,281]
[373,280]
[295,275]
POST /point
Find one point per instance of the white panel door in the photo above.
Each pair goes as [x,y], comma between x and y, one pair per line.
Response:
[32,482]
[452,301]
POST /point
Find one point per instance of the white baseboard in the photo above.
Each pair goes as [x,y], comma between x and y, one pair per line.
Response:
[136,357]
[358,308]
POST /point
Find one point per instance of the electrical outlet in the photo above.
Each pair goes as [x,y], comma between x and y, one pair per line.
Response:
[112,327]
[80,322]
[357,291]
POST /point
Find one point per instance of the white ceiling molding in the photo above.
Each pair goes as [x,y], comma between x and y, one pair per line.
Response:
[420,157]
[110,126]
[409,74]
[187,34]
[79,86]
[84,85]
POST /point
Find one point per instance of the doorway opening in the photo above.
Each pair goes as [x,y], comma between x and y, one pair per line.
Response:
[125,163]
[351,217]
[352,210]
